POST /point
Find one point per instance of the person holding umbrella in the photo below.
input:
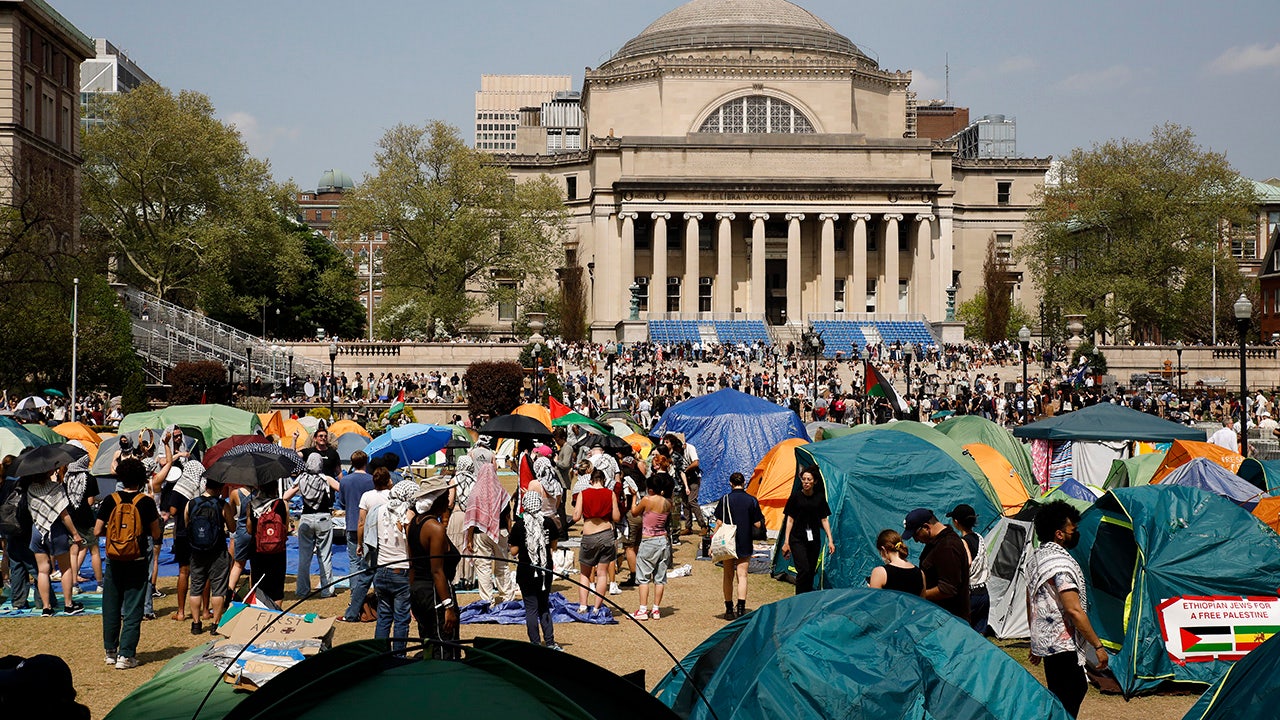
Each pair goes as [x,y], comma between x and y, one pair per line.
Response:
[53,530]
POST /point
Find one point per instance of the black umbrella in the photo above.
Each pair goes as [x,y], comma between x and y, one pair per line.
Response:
[610,443]
[250,469]
[518,427]
[285,453]
[45,459]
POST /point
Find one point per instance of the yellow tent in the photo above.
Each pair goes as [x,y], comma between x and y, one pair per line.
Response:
[641,444]
[89,439]
[272,423]
[772,480]
[1182,452]
[1004,479]
[287,438]
[342,427]
[537,412]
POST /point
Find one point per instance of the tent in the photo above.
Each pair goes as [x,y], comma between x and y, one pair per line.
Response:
[731,431]
[1248,691]
[296,436]
[14,440]
[343,427]
[210,423]
[1008,549]
[44,432]
[1134,471]
[535,411]
[1105,421]
[1268,511]
[272,423]
[1182,452]
[872,480]
[348,444]
[858,654]
[1145,552]
[1004,479]
[1208,475]
[772,480]
[968,429]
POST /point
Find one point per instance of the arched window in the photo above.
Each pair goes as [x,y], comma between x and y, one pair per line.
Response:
[756,114]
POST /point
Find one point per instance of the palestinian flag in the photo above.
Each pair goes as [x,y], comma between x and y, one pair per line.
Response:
[1208,639]
[558,409]
[1249,637]
[397,407]
[876,385]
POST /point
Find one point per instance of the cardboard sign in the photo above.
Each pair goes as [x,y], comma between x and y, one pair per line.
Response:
[1203,629]
[250,620]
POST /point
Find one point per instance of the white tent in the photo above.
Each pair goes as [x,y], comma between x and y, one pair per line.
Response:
[1008,550]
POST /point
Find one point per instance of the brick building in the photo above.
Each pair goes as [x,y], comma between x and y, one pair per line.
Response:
[318,209]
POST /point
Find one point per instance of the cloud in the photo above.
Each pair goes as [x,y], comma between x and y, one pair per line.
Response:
[1112,78]
[260,139]
[1016,64]
[1243,59]
[926,88]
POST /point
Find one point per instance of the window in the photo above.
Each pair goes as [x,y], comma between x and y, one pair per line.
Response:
[673,294]
[1244,241]
[704,238]
[840,294]
[902,296]
[48,118]
[871,295]
[29,105]
[1002,192]
[644,232]
[704,294]
[507,306]
[643,295]
[571,187]
[757,114]
[1004,248]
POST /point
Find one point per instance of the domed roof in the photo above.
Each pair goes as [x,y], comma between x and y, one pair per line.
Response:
[334,181]
[738,23]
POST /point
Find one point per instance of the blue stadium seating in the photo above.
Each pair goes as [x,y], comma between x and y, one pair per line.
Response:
[668,332]
[846,338]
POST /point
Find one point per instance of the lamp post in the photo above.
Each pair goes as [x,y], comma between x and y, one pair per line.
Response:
[908,354]
[611,351]
[333,381]
[1243,312]
[75,341]
[1178,347]
[537,367]
[812,339]
[248,367]
[1024,340]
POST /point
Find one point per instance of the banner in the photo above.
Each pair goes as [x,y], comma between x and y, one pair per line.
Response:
[1201,629]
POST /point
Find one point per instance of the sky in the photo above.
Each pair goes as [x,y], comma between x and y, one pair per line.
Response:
[314,85]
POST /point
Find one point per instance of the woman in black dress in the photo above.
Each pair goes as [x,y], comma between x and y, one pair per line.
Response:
[433,560]
[806,514]
[897,573]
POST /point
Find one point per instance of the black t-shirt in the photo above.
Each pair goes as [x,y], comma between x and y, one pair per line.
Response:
[946,567]
[332,463]
[807,512]
[178,502]
[146,508]
[526,575]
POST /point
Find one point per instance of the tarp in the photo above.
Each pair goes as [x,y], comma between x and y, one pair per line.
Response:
[210,423]
[1008,549]
[855,654]
[772,480]
[1139,547]
[872,480]
[966,429]
[732,432]
[1182,452]
[1206,474]
[1134,471]
[1004,479]
[1105,421]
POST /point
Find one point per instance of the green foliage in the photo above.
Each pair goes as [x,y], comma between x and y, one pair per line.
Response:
[527,358]
[1096,359]
[973,313]
[493,388]
[409,415]
[554,388]
[255,404]
[134,396]
[1130,233]
[322,413]
[460,228]
[995,286]
[190,381]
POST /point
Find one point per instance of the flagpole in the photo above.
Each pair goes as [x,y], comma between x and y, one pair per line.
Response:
[75,341]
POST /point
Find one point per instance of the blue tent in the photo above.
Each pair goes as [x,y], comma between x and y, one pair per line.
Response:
[731,431]
[858,654]
[1208,475]
[872,480]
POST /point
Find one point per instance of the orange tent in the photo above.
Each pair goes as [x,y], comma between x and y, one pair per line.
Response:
[641,444]
[272,423]
[342,427]
[89,439]
[537,412]
[1004,479]
[1268,511]
[772,480]
[1182,452]
[292,426]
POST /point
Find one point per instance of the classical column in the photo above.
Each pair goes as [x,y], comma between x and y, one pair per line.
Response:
[923,286]
[724,264]
[888,297]
[827,265]
[795,312]
[627,250]
[758,284]
[608,270]
[658,283]
[855,295]
[689,301]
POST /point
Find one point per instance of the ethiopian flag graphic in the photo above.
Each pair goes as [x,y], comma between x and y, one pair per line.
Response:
[876,385]
[397,407]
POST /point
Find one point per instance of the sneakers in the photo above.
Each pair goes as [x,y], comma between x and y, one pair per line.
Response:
[112,658]
[149,616]
[640,614]
[582,610]
[157,594]
[655,614]
[554,646]
[74,608]
[55,576]
[48,612]
[126,663]
[197,628]
[614,589]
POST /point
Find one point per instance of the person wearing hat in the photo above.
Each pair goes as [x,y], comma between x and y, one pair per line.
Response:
[433,560]
[945,561]
[963,518]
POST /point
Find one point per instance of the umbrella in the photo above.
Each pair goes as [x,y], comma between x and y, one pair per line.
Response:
[813,427]
[45,459]
[212,454]
[293,459]
[14,440]
[54,393]
[414,442]
[535,411]
[45,432]
[517,427]
[610,443]
[31,402]
[942,414]
[250,469]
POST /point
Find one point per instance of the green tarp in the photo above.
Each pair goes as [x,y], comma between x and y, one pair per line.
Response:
[969,429]
[210,423]
[1105,421]
[854,654]
[1134,471]
[1141,546]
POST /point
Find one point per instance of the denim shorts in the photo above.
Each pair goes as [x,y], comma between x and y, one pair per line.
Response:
[55,542]
[651,561]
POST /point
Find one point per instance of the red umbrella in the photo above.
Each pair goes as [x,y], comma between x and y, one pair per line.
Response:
[212,454]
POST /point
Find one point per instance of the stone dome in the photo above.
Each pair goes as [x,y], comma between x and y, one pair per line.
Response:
[704,24]
[334,181]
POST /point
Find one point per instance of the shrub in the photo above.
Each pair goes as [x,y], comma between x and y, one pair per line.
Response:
[493,388]
[322,413]
[134,396]
[191,381]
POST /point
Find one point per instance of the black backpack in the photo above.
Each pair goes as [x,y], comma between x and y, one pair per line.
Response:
[205,527]
[11,511]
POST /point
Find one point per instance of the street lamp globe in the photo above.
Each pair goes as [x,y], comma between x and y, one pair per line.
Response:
[1243,308]
[1024,335]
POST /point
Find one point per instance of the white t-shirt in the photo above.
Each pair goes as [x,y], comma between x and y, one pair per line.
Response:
[1226,438]
[373,498]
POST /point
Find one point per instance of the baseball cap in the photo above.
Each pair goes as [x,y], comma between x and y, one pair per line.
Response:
[963,512]
[916,519]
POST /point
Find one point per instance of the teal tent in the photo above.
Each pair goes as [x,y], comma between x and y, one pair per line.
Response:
[969,429]
[872,480]
[856,654]
[1142,549]
[177,690]
[1250,690]
[1105,421]
[1134,471]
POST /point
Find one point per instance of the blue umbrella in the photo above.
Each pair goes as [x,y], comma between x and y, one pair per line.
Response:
[412,442]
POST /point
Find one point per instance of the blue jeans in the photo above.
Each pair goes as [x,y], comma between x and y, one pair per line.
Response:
[392,587]
[22,570]
[315,537]
[361,577]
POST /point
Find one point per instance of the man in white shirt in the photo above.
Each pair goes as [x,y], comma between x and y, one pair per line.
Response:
[1226,436]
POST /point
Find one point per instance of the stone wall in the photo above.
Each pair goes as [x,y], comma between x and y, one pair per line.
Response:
[1217,367]
[364,357]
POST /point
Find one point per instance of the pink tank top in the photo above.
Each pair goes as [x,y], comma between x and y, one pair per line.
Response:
[654,524]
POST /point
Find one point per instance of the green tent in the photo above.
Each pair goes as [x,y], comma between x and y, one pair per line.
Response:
[210,423]
[44,432]
[1134,471]
[1248,691]
[174,693]
[938,440]
[857,654]
[574,418]
[1142,550]
[872,480]
[1105,421]
[968,429]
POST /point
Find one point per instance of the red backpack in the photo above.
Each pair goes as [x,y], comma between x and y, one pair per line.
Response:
[271,533]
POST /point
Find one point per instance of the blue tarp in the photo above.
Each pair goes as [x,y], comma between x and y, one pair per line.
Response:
[732,432]
[1205,474]
[512,613]
[1073,488]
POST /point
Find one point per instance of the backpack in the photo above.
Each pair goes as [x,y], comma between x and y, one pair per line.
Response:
[205,526]
[10,514]
[124,529]
[270,533]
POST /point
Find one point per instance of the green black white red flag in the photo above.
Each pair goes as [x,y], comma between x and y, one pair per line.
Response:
[876,385]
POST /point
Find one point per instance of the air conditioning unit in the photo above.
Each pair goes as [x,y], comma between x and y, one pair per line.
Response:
[673,281]
[704,281]
[642,280]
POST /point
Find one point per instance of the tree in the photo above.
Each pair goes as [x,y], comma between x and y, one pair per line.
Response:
[462,233]
[973,313]
[493,388]
[995,288]
[1130,233]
